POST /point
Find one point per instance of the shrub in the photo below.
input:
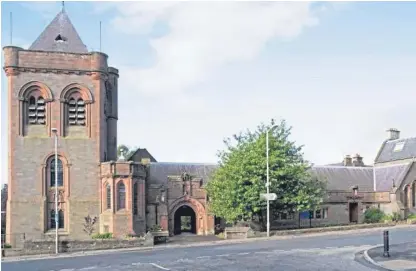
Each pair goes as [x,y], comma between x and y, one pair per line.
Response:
[411,216]
[5,245]
[373,215]
[107,235]
[156,228]
[396,217]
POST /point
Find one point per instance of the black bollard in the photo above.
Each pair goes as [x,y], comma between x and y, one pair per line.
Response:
[386,244]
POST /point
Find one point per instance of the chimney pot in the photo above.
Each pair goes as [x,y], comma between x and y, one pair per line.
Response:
[358,161]
[347,161]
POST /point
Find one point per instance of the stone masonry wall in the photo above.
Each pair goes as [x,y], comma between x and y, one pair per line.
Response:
[27,200]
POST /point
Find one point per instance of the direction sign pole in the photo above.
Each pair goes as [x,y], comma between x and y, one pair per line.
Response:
[267,184]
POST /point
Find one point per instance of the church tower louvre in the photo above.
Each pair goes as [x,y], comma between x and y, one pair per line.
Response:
[57,83]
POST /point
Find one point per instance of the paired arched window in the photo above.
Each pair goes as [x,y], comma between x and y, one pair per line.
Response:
[76,110]
[108,196]
[121,196]
[60,171]
[36,110]
[135,199]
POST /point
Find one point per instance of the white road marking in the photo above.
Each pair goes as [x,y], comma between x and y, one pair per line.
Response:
[244,253]
[263,252]
[160,267]
[67,269]
[88,268]
[223,255]
[136,263]
[203,257]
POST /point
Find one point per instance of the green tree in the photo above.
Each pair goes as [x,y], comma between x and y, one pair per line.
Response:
[126,150]
[235,187]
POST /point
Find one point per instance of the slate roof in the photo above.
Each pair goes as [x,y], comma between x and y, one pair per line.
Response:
[343,178]
[161,170]
[387,153]
[70,41]
[386,175]
[139,154]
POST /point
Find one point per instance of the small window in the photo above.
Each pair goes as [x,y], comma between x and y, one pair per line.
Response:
[108,196]
[318,214]
[135,199]
[60,38]
[121,192]
[399,146]
[60,219]
[325,213]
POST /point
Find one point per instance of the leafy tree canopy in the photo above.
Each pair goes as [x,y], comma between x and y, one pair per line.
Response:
[235,187]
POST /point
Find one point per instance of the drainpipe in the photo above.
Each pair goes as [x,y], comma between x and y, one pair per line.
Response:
[374,177]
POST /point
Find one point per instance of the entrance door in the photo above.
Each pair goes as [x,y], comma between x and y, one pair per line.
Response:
[414,194]
[353,207]
[184,220]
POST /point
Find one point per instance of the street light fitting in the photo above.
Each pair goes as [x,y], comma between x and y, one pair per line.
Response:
[54,130]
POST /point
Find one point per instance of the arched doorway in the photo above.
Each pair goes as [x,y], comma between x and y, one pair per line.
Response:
[184,220]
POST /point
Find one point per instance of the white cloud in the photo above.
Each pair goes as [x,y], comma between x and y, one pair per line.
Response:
[204,36]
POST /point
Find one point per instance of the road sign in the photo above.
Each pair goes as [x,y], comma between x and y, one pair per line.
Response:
[270,196]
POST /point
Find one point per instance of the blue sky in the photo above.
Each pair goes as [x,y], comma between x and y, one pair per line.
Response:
[193,73]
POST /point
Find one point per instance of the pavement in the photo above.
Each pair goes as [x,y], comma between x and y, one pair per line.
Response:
[402,256]
[331,251]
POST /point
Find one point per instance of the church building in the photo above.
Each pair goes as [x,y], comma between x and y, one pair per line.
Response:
[59,87]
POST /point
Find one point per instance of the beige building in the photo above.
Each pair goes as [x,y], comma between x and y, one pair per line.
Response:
[353,187]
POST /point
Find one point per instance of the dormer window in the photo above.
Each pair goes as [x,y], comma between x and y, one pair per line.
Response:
[399,146]
[60,38]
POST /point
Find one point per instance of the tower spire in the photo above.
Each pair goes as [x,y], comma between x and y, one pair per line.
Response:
[63,5]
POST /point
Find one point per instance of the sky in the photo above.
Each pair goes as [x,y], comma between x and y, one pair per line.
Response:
[194,73]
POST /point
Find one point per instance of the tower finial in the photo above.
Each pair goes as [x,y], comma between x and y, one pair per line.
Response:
[63,5]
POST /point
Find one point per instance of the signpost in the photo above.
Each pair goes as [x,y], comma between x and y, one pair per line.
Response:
[269,196]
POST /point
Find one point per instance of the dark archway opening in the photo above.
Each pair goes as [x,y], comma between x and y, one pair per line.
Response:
[185,220]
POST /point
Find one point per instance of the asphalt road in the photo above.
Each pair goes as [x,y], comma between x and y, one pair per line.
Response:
[327,252]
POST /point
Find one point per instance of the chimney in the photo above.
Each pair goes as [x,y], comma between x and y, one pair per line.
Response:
[347,161]
[358,161]
[393,134]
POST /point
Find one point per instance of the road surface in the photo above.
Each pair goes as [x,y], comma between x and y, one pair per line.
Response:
[326,252]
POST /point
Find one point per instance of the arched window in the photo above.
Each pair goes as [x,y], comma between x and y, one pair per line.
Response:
[135,199]
[108,196]
[121,192]
[36,110]
[76,110]
[60,173]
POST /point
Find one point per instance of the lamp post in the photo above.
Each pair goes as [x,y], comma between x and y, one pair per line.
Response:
[267,179]
[55,132]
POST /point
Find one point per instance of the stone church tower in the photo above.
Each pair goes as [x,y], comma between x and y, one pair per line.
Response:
[57,83]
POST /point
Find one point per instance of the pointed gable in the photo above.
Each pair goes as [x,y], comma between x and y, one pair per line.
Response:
[61,36]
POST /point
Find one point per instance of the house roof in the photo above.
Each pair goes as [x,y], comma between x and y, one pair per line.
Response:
[139,154]
[388,153]
[159,172]
[343,178]
[60,35]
